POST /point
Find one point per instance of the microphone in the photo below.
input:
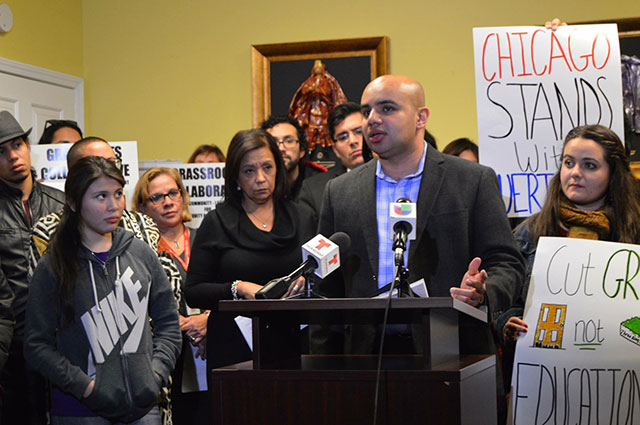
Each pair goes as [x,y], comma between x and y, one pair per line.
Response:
[320,255]
[402,225]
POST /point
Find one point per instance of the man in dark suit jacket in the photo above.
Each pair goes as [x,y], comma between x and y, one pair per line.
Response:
[345,127]
[461,226]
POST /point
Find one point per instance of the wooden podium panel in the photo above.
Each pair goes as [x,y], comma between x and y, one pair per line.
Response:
[276,323]
[457,393]
[281,386]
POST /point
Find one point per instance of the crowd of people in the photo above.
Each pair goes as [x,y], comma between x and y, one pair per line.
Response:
[108,315]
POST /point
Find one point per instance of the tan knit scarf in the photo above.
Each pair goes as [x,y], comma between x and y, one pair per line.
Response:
[585,224]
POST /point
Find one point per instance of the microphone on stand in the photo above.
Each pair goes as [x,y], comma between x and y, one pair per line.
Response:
[321,255]
[402,226]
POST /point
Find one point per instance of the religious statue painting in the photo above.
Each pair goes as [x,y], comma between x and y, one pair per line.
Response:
[312,103]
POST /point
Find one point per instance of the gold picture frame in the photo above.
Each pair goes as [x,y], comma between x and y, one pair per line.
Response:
[263,55]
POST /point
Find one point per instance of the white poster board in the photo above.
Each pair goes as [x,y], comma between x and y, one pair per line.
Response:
[533,85]
[205,185]
[579,362]
[50,163]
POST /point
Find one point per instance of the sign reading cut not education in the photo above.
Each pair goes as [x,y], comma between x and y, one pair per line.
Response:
[533,86]
[578,362]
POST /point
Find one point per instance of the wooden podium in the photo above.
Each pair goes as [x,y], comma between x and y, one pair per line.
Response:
[282,386]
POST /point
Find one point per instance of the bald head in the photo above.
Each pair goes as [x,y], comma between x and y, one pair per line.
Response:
[89,146]
[394,117]
[400,84]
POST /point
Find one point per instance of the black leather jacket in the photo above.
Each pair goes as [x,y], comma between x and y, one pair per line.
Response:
[15,240]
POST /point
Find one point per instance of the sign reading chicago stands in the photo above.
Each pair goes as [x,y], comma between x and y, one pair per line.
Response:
[533,85]
[578,362]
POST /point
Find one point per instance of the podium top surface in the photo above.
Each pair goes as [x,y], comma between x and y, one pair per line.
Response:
[351,305]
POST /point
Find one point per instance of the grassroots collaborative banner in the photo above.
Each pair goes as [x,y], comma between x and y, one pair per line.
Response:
[533,85]
[50,163]
[578,362]
[204,184]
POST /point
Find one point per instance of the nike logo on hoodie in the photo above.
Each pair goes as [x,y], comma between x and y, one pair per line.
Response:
[120,314]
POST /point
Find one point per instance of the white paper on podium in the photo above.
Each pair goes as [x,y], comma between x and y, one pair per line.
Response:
[244,323]
[419,287]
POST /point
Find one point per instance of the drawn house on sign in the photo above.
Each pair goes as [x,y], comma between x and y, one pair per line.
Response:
[550,326]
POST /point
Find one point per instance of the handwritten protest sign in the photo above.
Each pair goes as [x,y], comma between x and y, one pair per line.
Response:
[50,163]
[533,85]
[578,362]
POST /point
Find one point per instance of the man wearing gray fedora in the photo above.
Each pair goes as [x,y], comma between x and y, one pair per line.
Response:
[22,202]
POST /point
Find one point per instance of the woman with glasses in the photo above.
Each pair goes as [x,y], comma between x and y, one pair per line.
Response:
[60,131]
[253,236]
[161,194]
[90,301]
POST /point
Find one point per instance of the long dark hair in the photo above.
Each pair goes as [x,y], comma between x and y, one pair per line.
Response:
[242,143]
[66,242]
[460,145]
[51,126]
[623,193]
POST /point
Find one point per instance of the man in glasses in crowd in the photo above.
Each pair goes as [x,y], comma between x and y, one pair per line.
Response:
[23,201]
[60,131]
[345,128]
[293,147]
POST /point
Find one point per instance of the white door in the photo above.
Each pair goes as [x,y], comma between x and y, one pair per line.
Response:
[34,95]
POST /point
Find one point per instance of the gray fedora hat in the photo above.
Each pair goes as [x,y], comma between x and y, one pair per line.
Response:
[10,128]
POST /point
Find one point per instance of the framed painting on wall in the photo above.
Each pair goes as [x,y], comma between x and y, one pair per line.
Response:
[278,70]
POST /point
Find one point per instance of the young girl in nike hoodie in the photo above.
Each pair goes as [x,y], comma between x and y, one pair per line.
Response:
[91,298]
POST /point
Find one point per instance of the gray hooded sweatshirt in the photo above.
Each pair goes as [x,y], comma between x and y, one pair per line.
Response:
[109,339]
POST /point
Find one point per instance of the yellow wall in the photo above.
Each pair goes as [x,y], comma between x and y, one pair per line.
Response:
[174,74]
[45,33]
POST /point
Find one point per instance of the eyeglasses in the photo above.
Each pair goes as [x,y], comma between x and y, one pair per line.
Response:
[60,123]
[344,136]
[116,161]
[173,194]
[288,142]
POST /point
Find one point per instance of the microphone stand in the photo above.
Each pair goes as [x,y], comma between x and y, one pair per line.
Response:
[401,273]
[308,287]
[401,282]
[308,292]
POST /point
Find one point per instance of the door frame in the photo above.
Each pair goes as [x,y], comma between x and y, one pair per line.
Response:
[36,73]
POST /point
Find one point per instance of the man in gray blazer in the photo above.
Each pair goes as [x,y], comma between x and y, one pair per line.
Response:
[464,247]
